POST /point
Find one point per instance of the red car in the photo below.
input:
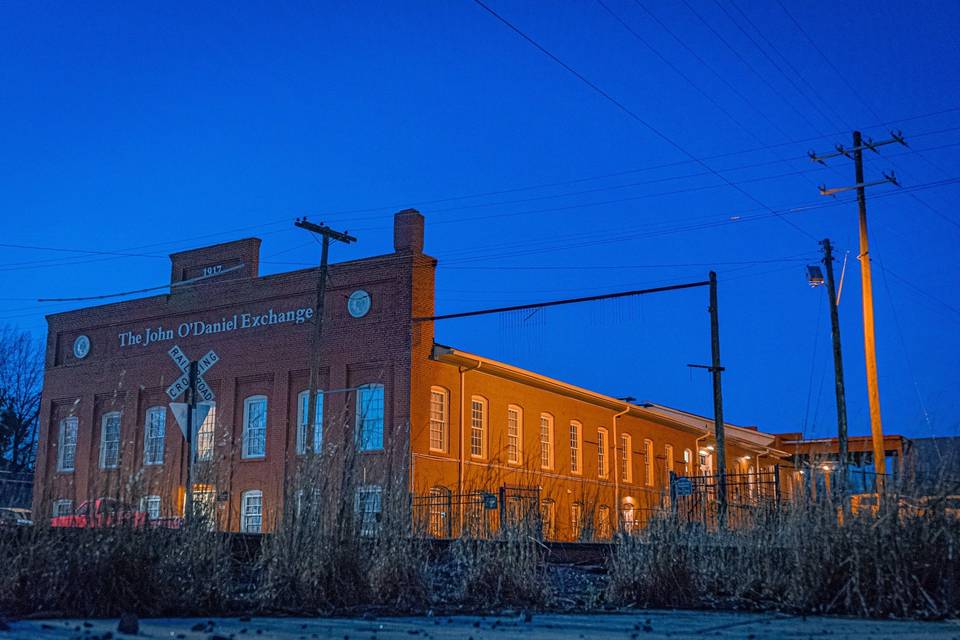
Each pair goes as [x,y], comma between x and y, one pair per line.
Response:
[104,512]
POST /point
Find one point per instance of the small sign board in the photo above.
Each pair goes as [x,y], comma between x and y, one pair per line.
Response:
[489,501]
[682,487]
[182,383]
[180,409]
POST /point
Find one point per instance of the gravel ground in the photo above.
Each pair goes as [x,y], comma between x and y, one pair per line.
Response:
[646,624]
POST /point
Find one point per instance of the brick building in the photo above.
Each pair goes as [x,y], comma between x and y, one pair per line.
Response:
[457,426]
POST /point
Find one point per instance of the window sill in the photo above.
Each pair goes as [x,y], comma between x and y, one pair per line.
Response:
[253,458]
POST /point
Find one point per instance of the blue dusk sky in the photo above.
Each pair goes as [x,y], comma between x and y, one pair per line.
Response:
[661,140]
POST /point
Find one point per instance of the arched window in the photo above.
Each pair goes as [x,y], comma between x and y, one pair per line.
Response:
[628,509]
[603,522]
[151,506]
[576,447]
[203,451]
[546,441]
[255,427]
[367,508]
[602,469]
[251,512]
[110,440]
[440,512]
[153,441]
[439,419]
[370,417]
[478,427]
[687,461]
[514,434]
[626,458]
[303,415]
[648,462]
[576,520]
[668,467]
[67,445]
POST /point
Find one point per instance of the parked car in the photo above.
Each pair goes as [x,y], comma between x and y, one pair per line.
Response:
[14,517]
[103,512]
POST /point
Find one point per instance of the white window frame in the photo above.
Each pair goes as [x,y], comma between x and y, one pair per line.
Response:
[576,447]
[303,414]
[687,461]
[626,457]
[368,521]
[439,419]
[249,432]
[669,466]
[206,434]
[548,517]
[62,508]
[67,442]
[514,434]
[154,446]
[105,462]
[371,411]
[576,520]
[478,427]
[648,460]
[150,505]
[603,464]
[251,511]
[546,441]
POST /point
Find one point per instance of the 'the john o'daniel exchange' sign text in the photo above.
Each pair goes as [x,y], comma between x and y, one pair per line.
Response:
[236,322]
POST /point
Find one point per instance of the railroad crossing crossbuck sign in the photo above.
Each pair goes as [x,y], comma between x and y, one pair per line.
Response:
[182,383]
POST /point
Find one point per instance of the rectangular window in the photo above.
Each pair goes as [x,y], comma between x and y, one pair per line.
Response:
[601,453]
[252,512]
[514,434]
[151,505]
[367,508]
[626,458]
[478,427]
[110,441]
[687,461]
[303,414]
[370,417]
[576,520]
[546,441]
[668,452]
[67,447]
[153,443]
[203,451]
[547,517]
[603,522]
[255,427]
[62,508]
[648,462]
[438,419]
[575,447]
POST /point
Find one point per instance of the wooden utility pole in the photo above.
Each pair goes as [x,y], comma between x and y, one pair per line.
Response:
[327,234]
[716,370]
[837,366]
[869,337]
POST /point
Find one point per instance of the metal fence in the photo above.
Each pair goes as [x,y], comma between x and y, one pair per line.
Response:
[695,499]
[478,514]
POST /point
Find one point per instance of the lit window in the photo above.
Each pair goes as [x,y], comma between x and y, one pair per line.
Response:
[514,434]
[110,441]
[648,462]
[151,505]
[687,461]
[440,512]
[370,417]
[367,507]
[67,449]
[576,455]
[576,520]
[626,458]
[546,441]
[629,515]
[204,505]
[156,433]
[602,453]
[255,427]
[203,451]
[62,508]
[303,415]
[478,427]
[438,419]
[547,517]
[668,452]
[603,521]
[251,512]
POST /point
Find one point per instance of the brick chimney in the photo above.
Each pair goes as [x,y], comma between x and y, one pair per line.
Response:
[408,231]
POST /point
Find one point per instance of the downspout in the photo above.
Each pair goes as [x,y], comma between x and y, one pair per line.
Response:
[616,469]
[463,413]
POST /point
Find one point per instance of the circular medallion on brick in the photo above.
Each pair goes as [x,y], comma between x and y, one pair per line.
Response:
[358,304]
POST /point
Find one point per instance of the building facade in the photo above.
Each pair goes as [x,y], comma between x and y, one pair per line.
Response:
[467,437]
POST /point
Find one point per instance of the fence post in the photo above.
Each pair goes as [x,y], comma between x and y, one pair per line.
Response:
[776,484]
[673,494]
[502,495]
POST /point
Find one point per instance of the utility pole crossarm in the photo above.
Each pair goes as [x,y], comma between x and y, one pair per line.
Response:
[888,178]
[324,230]
[896,137]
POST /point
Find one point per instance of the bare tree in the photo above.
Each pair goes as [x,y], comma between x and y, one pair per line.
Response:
[21,380]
